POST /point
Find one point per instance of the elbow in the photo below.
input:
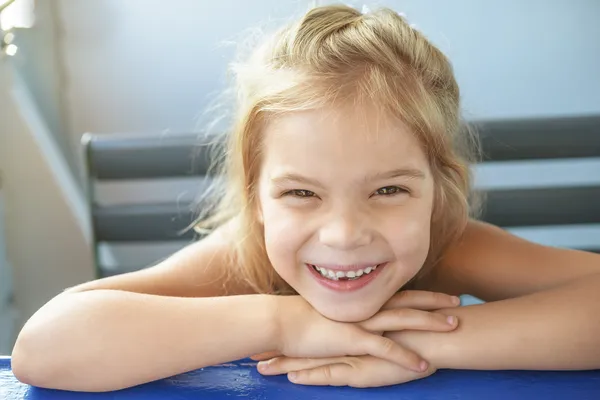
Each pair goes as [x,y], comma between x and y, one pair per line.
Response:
[26,366]
[45,356]
[39,356]
[35,361]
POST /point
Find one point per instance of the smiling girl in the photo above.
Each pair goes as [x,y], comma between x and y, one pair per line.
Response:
[340,242]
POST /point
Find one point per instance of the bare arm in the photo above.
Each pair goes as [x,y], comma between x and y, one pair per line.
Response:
[492,264]
[103,340]
[543,310]
[125,330]
[554,329]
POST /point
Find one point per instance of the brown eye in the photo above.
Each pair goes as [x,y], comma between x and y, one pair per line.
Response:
[301,193]
[390,191]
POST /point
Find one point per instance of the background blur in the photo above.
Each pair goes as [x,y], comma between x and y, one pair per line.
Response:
[113,66]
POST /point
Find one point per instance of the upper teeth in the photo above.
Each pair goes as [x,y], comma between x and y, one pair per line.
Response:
[344,274]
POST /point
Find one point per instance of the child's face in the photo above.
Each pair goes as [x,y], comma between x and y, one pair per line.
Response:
[345,190]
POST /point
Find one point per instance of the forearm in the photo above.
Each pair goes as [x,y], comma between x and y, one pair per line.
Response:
[105,339]
[556,329]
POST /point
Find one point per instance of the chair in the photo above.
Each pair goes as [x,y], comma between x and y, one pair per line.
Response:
[541,178]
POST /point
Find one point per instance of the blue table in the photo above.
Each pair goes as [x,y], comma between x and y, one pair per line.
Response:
[240,379]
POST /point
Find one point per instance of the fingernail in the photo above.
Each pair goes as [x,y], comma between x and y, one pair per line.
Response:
[451,320]
[423,366]
[292,376]
[263,366]
[456,300]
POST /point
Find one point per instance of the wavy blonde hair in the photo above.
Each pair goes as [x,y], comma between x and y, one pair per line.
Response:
[336,54]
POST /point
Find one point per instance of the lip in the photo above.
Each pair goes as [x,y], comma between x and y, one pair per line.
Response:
[346,286]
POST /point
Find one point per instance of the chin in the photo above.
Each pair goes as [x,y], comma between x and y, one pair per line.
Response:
[347,312]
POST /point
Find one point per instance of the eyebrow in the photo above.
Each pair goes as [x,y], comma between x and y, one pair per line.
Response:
[412,173]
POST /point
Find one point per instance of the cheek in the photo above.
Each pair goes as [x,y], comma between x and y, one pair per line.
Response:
[283,236]
[409,236]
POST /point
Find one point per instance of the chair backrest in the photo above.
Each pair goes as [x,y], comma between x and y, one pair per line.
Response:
[541,178]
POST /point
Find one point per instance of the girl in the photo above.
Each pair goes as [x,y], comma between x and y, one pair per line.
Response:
[339,243]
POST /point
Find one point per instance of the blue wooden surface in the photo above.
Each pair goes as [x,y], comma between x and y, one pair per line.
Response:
[240,379]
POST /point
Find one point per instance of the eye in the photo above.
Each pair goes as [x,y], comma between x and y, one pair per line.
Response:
[390,191]
[300,193]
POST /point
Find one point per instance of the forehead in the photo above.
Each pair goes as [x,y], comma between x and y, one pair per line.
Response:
[355,137]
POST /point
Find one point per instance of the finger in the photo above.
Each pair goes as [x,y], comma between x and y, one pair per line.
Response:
[387,349]
[329,374]
[421,300]
[405,318]
[283,365]
[265,356]
[368,373]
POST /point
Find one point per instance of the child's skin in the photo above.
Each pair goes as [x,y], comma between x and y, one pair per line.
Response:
[182,314]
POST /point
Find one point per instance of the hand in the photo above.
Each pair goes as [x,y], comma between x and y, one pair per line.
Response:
[411,305]
[306,333]
[360,372]
[406,306]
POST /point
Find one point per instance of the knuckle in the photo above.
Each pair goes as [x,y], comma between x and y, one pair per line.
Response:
[402,312]
[387,345]
[443,297]
[402,295]
[353,362]
[278,364]
[433,296]
[438,319]
[327,373]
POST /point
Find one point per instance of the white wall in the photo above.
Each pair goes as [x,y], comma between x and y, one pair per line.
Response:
[141,65]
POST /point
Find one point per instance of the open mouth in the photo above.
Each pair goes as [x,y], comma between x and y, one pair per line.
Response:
[344,275]
[345,281]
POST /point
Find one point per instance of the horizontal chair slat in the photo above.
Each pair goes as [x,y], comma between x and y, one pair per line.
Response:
[542,206]
[143,222]
[529,139]
[120,156]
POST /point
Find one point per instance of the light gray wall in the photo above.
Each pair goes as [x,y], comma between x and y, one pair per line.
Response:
[5,272]
[144,65]
[6,311]
[517,58]
[45,226]
[38,62]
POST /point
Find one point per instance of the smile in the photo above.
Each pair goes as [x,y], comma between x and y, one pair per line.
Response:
[344,275]
[345,278]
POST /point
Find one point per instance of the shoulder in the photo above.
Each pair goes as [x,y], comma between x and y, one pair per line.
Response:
[493,264]
[204,268]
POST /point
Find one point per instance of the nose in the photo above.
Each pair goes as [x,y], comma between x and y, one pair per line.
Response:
[346,230]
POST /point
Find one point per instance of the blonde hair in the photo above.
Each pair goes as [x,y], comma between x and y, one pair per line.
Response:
[337,54]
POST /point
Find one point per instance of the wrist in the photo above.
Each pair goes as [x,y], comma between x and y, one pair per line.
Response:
[271,321]
[429,345]
[287,311]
